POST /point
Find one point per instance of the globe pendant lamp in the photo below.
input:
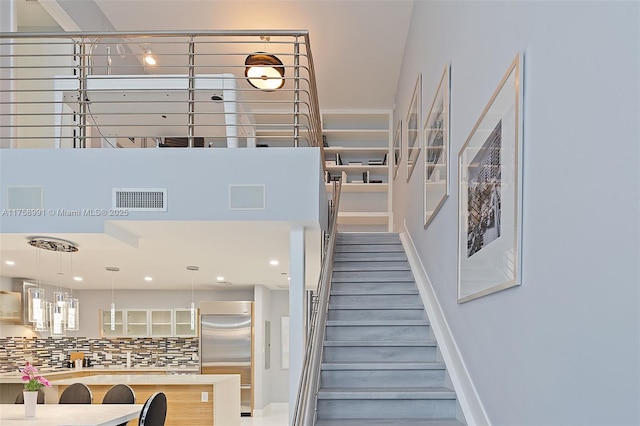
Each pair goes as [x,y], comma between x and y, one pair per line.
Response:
[264,71]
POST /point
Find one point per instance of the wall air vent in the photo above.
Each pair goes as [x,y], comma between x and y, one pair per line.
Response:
[246,197]
[140,199]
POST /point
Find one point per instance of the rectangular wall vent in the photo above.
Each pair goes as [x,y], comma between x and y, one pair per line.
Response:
[246,197]
[140,199]
[24,197]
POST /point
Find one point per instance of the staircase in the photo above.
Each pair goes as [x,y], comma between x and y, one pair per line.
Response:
[379,362]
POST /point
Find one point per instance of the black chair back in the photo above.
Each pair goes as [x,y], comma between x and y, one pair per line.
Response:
[119,394]
[20,397]
[154,410]
[77,393]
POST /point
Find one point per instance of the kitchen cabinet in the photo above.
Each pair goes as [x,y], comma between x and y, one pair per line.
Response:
[105,323]
[161,322]
[148,323]
[137,322]
[182,323]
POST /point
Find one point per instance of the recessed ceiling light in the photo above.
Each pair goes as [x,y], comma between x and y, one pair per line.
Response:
[220,278]
[148,278]
[288,278]
[77,278]
[274,262]
[10,262]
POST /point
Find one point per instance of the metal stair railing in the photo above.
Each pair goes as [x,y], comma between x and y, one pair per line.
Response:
[94,90]
[305,410]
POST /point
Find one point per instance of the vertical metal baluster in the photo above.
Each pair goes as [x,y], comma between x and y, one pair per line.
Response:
[191,116]
[296,93]
[82,96]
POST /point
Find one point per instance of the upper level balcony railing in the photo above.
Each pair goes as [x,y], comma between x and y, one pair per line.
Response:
[95,90]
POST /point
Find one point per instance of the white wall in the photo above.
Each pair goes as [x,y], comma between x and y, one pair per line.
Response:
[563,348]
[197,183]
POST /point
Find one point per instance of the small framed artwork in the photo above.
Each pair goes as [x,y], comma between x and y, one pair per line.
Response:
[397,148]
[436,148]
[413,133]
[490,194]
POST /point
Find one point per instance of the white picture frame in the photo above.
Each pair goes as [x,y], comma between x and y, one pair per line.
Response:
[413,128]
[490,194]
[435,135]
[397,149]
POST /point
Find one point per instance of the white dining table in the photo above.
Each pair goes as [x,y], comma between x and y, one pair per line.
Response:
[70,414]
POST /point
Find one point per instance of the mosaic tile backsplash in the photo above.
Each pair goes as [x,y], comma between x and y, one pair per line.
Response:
[51,352]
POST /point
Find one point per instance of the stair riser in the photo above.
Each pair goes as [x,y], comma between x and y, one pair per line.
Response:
[382,333]
[371,256]
[374,301]
[372,248]
[388,379]
[380,288]
[372,238]
[378,265]
[371,276]
[376,314]
[386,409]
[379,354]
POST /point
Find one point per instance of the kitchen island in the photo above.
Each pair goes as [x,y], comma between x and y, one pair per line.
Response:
[11,382]
[192,399]
[185,390]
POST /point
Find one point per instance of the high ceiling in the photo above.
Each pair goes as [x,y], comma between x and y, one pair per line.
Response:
[357,46]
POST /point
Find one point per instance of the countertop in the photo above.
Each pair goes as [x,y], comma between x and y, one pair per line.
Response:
[51,373]
[152,379]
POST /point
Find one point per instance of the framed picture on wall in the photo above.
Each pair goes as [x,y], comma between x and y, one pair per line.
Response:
[397,148]
[490,194]
[435,135]
[413,131]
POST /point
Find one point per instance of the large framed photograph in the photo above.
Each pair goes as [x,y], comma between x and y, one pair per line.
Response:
[397,148]
[413,131]
[435,135]
[490,194]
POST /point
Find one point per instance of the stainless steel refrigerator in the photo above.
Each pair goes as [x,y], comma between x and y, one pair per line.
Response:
[226,343]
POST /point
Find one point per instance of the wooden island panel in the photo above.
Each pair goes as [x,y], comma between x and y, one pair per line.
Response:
[183,403]
[184,395]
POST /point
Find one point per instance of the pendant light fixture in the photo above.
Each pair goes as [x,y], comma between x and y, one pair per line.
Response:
[59,305]
[193,305]
[44,315]
[264,71]
[72,322]
[112,311]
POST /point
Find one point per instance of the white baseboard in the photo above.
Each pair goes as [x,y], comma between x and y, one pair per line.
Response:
[468,399]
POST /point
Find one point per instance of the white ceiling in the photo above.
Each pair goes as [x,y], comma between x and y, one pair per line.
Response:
[238,251]
[357,47]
